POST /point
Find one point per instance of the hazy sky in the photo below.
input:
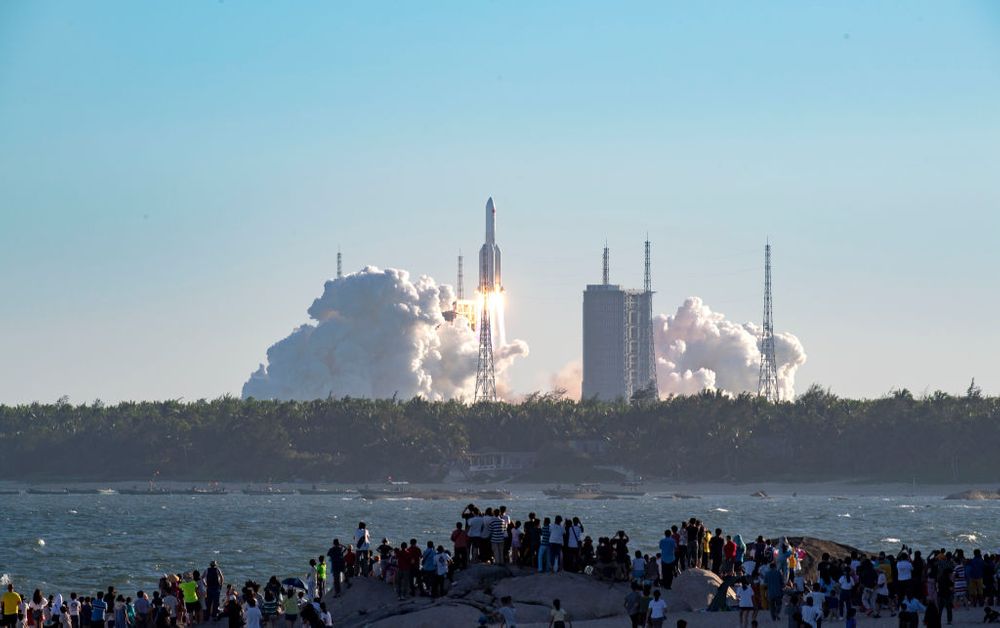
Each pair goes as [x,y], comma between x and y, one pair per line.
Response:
[175,177]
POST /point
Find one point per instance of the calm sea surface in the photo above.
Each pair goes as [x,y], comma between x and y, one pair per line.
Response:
[63,543]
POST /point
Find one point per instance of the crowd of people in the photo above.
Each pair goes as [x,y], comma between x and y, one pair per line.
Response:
[767,576]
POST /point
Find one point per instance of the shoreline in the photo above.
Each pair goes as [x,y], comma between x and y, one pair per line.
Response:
[652,488]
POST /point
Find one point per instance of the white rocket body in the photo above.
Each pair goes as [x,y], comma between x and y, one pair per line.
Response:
[489,254]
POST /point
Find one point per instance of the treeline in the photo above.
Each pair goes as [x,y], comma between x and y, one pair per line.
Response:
[706,437]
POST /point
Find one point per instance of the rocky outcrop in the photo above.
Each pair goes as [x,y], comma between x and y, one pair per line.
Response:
[975,494]
[477,591]
[432,616]
[585,597]
[815,548]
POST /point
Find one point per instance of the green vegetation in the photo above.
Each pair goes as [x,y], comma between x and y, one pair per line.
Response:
[707,437]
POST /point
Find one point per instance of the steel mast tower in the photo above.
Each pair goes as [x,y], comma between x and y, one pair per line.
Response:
[490,283]
[767,382]
[650,345]
[460,294]
[340,268]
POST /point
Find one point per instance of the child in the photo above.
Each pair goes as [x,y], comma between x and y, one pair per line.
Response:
[508,616]
[321,576]
[557,616]
[325,615]
[638,567]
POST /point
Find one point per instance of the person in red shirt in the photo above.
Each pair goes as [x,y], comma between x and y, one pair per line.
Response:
[415,555]
[729,553]
[461,540]
[350,561]
[403,570]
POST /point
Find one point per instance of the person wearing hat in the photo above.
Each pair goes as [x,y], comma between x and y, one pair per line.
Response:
[213,589]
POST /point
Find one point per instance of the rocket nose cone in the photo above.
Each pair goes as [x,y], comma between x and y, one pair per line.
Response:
[489,205]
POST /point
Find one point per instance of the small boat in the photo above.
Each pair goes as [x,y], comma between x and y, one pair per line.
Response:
[90,491]
[152,490]
[583,491]
[384,493]
[327,491]
[218,490]
[495,493]
[213,489]
[268,490]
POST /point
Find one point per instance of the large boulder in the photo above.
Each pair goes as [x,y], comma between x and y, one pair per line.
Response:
[583,596]
[479,578]
[694,590]
[975,494]
[368,600]
[815,548]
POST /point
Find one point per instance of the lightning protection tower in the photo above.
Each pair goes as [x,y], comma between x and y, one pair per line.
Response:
[340,268]
[767,382]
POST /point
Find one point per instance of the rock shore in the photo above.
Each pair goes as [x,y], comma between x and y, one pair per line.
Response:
[478,590]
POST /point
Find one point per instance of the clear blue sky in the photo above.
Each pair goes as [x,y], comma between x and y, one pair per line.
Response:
[175,177]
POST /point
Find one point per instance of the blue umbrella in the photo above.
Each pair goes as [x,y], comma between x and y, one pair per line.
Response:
[295,583]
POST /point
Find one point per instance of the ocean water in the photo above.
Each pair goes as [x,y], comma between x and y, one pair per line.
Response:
[79,543]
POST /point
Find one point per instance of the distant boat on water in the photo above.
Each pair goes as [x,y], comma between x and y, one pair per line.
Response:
[268,490]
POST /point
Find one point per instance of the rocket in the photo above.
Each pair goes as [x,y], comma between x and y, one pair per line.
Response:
[489,254]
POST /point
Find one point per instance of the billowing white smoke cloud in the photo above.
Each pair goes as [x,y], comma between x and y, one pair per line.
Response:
[698,349]
[378,334]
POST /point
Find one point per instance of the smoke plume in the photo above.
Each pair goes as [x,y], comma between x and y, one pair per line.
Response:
[569,379]
[698,349]
[378,334]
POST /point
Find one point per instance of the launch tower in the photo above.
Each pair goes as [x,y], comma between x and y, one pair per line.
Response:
[767,382]
[490,284]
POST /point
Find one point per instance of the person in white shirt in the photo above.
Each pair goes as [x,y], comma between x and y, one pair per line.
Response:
[812,614]
[363,545]
[476,525]
[74,610]
[507,612]
[905,573]
[441,562]
[744,594]
[881,594]
[846,584]
[657,610]
[324,615]
[252,614]
[557,533]
[574,540]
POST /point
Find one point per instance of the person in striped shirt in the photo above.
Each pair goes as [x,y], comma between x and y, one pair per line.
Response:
[498,534]
[543,548]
